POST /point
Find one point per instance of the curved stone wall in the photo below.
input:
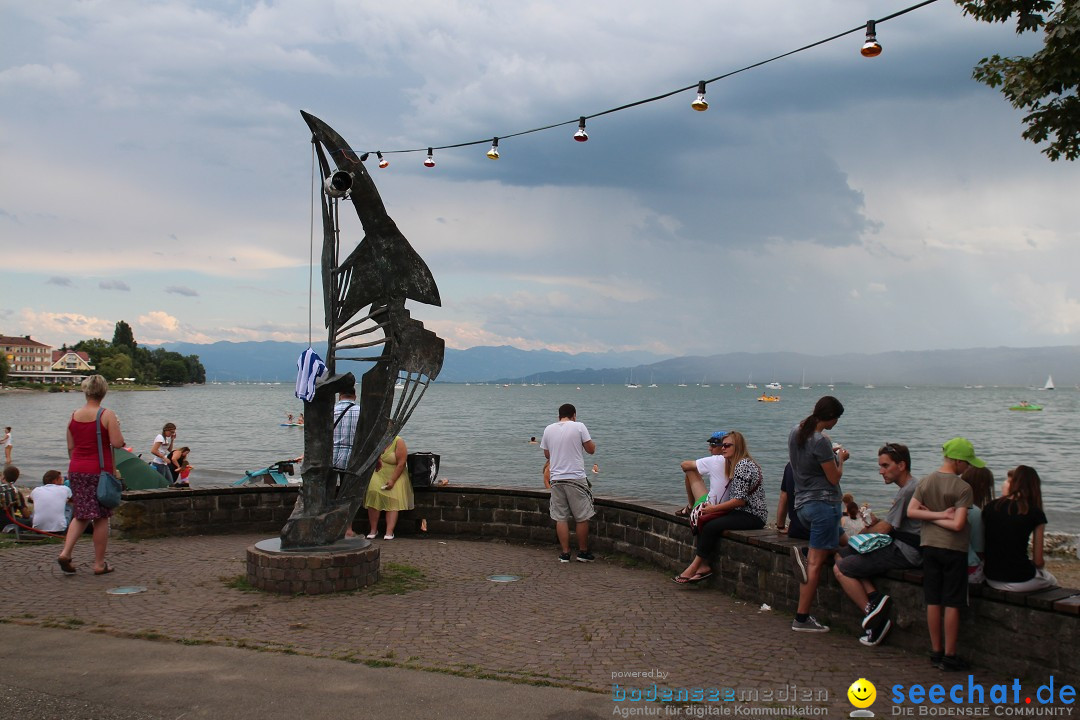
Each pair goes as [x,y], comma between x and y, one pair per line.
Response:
[1041,630]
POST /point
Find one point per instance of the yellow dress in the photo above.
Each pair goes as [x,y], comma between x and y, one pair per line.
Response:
[400,497]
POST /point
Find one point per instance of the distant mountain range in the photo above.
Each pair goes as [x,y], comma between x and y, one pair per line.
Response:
[271,361]
[276,362]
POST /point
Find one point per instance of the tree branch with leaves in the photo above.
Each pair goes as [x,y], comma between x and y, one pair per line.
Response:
[1045,83]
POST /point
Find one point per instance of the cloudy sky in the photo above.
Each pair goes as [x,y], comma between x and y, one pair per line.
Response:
[156,170]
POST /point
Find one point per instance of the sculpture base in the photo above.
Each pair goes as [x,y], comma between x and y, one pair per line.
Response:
[346,565]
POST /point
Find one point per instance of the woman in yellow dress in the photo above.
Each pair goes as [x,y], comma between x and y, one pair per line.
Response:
[389,489]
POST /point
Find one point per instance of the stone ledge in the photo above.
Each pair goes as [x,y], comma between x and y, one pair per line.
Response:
[752,565]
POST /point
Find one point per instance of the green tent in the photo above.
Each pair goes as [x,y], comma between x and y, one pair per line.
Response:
[135,473]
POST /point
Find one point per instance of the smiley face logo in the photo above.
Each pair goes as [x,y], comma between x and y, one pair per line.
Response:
[862,693]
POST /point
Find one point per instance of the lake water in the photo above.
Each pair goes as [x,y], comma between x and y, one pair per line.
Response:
[482,432]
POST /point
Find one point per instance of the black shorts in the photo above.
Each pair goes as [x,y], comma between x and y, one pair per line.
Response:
[945,577]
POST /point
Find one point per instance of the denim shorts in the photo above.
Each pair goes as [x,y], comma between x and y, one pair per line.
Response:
[823,519]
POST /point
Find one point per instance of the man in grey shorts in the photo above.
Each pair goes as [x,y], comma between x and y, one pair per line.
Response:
[564,444]
[854,571]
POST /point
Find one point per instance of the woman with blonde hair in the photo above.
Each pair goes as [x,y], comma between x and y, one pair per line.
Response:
[742,507]
[87,424]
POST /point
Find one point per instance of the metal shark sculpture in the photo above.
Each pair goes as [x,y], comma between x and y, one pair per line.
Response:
[364,307]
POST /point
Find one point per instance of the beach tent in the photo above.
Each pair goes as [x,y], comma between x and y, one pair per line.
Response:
[135,473]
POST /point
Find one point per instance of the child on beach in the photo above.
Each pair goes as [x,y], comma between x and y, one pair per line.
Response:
[941,501]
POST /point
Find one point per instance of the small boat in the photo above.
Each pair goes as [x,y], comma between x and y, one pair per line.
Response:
[292,424]
[1049,383]
[768,398]
[774,386]
[750,383]
[277,474]
[1024,405]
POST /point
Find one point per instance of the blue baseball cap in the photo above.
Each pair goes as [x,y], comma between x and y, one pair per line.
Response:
[717,437]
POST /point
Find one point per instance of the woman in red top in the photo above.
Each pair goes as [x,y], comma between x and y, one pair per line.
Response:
[84,470]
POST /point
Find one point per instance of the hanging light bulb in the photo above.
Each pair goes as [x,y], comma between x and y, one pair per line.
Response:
[383,162]
[871,48]
[581,135]
[493,153]
[430,160]
[700,104]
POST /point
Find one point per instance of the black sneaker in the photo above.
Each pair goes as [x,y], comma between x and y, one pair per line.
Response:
[585,556]
[953,663]
[798,564]
[875,610]
[876,633]
[564,557]
[935,657]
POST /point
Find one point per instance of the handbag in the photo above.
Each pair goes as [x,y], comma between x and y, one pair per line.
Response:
[868,542]
[699,519]
[423,468]
[108,487]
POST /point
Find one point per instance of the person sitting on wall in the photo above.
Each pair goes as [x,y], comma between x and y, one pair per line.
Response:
[741,506]
[855,572]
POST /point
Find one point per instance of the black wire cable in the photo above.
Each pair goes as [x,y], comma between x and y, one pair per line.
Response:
[664,96]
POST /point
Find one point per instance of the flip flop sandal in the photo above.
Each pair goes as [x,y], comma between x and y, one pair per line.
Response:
[105,570]
[66,566]
[683,512]
[681,579]
[698,577]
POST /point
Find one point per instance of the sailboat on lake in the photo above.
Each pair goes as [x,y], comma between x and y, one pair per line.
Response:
[1049,383]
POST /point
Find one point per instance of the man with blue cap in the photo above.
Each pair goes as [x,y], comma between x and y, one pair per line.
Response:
[713,467]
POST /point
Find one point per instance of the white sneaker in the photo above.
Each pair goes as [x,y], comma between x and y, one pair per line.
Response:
[387,537]
[371,536]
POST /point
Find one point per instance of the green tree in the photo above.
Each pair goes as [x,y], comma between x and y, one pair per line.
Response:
[1045,83]
[3,368]
[173,371]
[97,349]
[117,366]
[196,371]
[123,337]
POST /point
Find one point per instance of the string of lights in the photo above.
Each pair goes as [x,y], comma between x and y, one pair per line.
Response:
[870,48]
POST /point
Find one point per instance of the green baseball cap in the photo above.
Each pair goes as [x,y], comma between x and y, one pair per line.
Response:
[961,449]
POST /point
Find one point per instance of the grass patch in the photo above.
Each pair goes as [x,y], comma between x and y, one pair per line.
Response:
[397,579]
[238,582]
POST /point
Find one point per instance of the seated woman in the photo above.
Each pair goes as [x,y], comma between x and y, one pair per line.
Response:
[744,501]
[1009,522]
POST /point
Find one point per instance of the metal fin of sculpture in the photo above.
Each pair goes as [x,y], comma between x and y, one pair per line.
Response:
[364,308]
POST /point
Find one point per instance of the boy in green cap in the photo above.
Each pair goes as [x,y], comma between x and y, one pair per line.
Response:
[941,501]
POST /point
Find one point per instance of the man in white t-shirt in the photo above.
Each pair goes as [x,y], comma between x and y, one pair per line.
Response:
[713,466]
[564,444]
[50,500]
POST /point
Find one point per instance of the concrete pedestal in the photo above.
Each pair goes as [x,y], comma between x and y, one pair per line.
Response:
[346,565]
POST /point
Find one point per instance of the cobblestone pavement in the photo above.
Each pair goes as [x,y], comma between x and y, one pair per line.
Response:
[578,626]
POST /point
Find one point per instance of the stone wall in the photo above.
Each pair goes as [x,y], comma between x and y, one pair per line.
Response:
[1041,631]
